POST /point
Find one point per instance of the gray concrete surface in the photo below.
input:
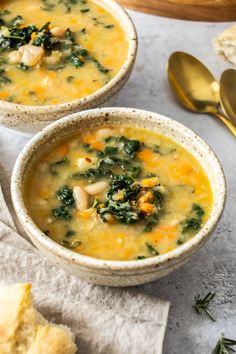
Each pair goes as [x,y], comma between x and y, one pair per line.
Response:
[214,267]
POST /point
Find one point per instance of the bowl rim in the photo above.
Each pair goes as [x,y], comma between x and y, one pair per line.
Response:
[127,24]
[83,261]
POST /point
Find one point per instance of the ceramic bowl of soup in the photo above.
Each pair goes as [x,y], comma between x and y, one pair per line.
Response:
[60,57]
[118,196]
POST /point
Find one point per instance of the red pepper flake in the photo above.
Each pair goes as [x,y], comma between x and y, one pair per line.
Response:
[88,159]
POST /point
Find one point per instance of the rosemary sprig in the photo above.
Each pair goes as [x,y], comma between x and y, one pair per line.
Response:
[201,305]
[224,346]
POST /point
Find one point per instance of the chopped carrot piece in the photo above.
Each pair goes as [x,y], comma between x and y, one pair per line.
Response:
[78,82]
[43,193]
[41,72]
[33,35]
[85,215]
[62,150]
[150,182]
[52,74]
[97,145]
[55,101]
[127,254]
[149,158]
[108,62]
[89,46]
[147,197]
[101,10]
[146,208]
[90,139]
[3,95]
[186,169]
[145,155]
[168,228]
[39,90]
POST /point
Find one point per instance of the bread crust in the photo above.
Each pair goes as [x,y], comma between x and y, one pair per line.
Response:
[225,44]
[23,330]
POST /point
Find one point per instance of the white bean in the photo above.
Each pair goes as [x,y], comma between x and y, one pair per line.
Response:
[163,190]
[4,31]
[15,57]
[81,198]
[84,163]
[31,55]
[96,188]
[58,32]
[104,133]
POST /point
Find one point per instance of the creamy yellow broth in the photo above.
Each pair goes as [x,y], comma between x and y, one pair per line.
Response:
[62,72]
[156,166]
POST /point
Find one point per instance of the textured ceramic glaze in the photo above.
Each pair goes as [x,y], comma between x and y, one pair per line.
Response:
[33,118]
[118,273]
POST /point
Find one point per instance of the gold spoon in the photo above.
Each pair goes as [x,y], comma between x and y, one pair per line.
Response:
[195,87]
[228,93]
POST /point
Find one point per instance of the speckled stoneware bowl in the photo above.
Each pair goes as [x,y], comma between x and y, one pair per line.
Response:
[117,273]
[33,118]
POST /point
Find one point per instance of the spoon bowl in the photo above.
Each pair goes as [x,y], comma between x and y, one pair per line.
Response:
[195,87]
[227,93]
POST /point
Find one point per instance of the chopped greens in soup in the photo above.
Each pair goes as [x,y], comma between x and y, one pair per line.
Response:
[119,193]
[56,51]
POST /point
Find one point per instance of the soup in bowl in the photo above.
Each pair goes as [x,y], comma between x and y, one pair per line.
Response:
[119,196]
[68,55]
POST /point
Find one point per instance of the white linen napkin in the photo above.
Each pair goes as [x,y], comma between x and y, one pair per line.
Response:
[105,320]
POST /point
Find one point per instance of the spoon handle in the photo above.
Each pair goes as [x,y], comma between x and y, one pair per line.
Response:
[231,127]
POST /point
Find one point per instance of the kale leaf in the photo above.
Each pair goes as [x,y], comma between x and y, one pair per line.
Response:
[124,210]
[191,224]
[44,38]
[69,3]
[151,222]
[65,195]
[151,249]
[111,150]
[141,257]
[198,210]
[16,37]
[70,244]
[70,233]
[110,166]
[53,168]
[131,146]
[62,213]
[194,221]
[77,58]
[23,67]
[99,66]
[47,6]
[4,12]
[4,79]
[17,21]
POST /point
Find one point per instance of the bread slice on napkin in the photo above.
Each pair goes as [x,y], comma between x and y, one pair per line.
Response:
[225,44]
[23,330]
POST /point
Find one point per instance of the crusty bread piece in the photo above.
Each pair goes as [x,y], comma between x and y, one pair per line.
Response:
[23,330]
[225,44]
[59,338]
